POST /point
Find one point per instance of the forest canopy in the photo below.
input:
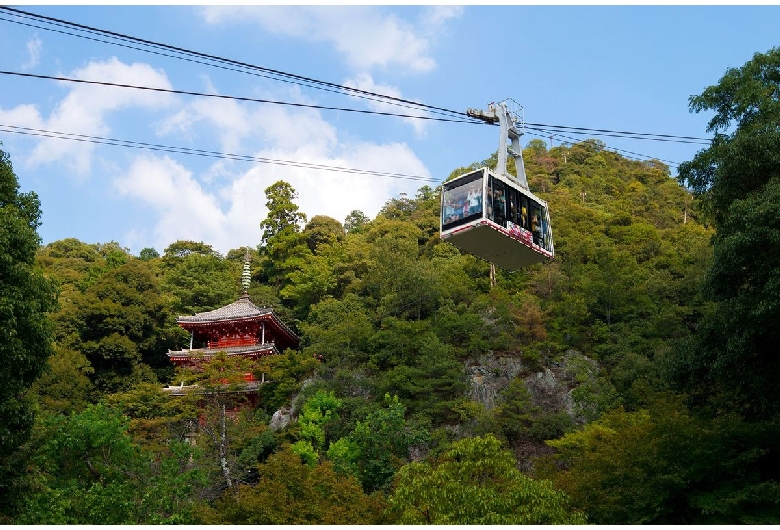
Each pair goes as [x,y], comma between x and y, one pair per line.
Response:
[628,381]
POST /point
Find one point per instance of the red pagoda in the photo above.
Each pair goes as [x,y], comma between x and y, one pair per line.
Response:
[238,329]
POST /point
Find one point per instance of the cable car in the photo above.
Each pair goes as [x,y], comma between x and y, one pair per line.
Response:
[493,215]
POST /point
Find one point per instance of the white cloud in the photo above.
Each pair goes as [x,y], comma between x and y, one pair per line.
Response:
[366,83]
[226,118]
[368,36]
[85,108]
[222,204]
[331,193]
[34,47]
[227,212]
[22,116]
[435,16]
[184,209]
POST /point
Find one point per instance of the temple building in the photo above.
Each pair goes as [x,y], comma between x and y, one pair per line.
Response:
[238,329]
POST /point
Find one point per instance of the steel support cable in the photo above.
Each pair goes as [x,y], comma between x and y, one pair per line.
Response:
[557,129]
[239,70]
[575,140]
[333,87]
[222,96]
[616,134]
[628,134]
[301,79]
[550,129]
[200,152]
[384,98]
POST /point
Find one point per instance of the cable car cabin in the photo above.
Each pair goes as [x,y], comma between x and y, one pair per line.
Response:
[493,218]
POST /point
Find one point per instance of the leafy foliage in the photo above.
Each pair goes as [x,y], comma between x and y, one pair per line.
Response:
[92,473]
[385,308]
[377,446]
[475,481]
[738,177]
[125,321]
[26,297]
[291,492]
[663,465]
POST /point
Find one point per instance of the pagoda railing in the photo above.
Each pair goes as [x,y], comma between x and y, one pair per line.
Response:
[231,342]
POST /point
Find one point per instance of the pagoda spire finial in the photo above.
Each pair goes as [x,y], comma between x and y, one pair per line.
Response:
[246,276]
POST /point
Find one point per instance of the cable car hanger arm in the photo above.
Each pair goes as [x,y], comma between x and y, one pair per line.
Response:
[511,123]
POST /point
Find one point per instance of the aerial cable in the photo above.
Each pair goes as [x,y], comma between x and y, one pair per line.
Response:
[619,134]
[551,129]
[573,130]
[302,79]
[200,152]
[639,155]
[296,78]
[628,154]
[239,70]
[237,98]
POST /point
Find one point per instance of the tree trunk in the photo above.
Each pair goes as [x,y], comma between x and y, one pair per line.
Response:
[223,449]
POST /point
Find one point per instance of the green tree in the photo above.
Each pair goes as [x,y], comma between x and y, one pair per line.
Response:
[355,221]
[403,283]
[322,230]
[283,375]
[155,417]
[311,280]
[148,253]
[65,386]
[26,297]
[378,446]
[339,331]
[734,356]
[291,492]
[124,327]
[220,392]
[663,465]
[318,410]
[202,282]
[426,376]
[283,246]
[283,213]
[476,481]
[89,471]
[182,248]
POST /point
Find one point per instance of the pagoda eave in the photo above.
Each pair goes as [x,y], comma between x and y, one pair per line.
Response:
[182,357]
[251,324]
[185,323]
[249,387]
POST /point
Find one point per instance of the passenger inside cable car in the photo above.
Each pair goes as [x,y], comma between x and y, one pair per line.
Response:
[463,203]
[529,219]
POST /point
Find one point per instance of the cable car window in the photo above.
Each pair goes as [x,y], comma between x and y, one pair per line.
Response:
[462,200]
[546,232]
[491,211]
[535,221]
[512,206]
[498,189]
[523,211]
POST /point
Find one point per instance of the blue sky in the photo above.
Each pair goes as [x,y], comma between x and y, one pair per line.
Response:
[625,68]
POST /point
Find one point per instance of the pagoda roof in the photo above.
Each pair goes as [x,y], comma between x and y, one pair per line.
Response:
[240,309]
